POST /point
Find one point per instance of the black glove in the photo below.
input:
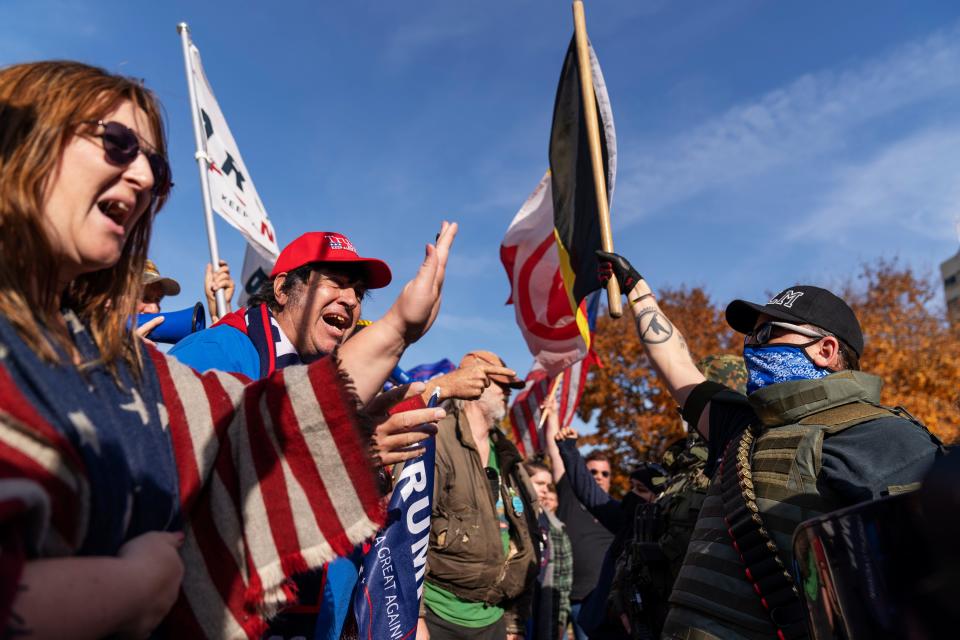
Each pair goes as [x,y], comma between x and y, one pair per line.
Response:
[613,264]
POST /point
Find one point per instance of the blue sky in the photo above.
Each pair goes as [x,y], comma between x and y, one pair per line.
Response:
[761,143]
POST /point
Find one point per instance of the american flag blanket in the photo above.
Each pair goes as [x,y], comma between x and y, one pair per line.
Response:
[266,479]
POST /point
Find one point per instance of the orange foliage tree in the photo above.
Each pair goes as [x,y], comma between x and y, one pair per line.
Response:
[909,345]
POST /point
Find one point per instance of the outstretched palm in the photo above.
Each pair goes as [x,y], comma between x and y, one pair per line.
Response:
[418,304]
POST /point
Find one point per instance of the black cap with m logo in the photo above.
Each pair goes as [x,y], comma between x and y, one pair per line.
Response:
[802,304]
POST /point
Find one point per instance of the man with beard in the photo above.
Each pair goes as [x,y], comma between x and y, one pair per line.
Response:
[484,555]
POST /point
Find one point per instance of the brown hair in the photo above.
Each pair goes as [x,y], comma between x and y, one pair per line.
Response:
[297,280]
[41,106]
[598,456]
[533,467]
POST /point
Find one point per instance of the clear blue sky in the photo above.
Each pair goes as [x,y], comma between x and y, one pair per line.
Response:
[761,143]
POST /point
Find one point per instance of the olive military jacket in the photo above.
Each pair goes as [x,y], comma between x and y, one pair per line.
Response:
[466,549]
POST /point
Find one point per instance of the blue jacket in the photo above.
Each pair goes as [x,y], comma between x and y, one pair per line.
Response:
[219,347]
[225,348]
[617,517]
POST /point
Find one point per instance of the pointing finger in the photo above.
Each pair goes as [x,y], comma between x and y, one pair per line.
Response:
[499,371]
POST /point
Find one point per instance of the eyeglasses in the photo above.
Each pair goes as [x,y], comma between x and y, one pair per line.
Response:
[598,472]
[762,334]
[122,145]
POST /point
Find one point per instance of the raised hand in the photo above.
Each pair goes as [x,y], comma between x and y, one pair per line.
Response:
[548,413]
[214,280]
[369,356]
[417,305]
[615,265]
[566,433]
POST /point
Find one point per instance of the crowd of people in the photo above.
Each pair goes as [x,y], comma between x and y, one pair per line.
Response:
[225,488]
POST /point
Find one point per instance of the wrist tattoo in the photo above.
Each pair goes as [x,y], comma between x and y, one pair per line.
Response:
[653,326]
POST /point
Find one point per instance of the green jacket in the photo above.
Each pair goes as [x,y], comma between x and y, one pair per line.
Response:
[466,550]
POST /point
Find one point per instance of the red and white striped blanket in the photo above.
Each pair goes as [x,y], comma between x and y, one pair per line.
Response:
[274,479]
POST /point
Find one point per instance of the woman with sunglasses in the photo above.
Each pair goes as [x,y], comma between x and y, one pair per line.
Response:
[125,475]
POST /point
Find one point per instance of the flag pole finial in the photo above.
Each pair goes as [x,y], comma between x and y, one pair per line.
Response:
[182,26]
[614,304]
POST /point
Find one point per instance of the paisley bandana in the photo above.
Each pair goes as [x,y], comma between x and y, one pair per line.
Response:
[770,364]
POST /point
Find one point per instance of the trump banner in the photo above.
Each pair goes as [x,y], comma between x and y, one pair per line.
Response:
[232,194]
[387,600]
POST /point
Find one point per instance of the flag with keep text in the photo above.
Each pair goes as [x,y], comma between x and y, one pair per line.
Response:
[232,194]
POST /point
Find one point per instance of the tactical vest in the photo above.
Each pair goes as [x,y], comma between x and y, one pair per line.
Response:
[681,502]
[712,590]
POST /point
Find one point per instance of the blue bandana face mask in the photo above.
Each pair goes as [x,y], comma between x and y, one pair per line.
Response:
[770,364]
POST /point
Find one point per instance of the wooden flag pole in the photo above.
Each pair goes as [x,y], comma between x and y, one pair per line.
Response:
[614,303]
[552,392]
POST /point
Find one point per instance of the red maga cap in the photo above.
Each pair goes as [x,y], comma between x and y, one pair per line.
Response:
[326,246]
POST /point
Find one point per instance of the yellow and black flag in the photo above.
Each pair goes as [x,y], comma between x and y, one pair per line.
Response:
[576,223]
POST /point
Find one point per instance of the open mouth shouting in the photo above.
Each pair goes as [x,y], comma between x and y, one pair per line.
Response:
[337,323]
[117,210]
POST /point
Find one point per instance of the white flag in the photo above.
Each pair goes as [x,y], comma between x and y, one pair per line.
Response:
[232,193]
[256,270]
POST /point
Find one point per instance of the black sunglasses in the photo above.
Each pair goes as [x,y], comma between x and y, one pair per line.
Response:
[762,334]
[122,145]
[598,472]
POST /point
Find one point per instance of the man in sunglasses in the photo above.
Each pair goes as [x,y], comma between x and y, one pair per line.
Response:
[809,437]
[483,558]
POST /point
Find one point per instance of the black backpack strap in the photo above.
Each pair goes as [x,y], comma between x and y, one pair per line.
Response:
[770,579]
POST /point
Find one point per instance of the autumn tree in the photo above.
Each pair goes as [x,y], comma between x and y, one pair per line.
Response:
[636,418]
[909,345]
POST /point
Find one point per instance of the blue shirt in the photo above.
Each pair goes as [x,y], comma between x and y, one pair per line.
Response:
[222,347]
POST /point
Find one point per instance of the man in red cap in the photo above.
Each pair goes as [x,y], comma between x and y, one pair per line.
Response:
[307,307]
[483,557]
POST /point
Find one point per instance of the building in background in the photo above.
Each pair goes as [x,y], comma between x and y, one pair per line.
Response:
[950,271]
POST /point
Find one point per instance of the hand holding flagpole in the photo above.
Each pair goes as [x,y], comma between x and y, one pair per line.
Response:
[545,407]
[614,304]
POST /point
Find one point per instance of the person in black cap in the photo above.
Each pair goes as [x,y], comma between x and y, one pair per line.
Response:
[809,437]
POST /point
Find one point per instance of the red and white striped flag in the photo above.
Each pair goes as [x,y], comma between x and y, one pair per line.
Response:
[525,413]
[557,335]
[548,253]
[274,481]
